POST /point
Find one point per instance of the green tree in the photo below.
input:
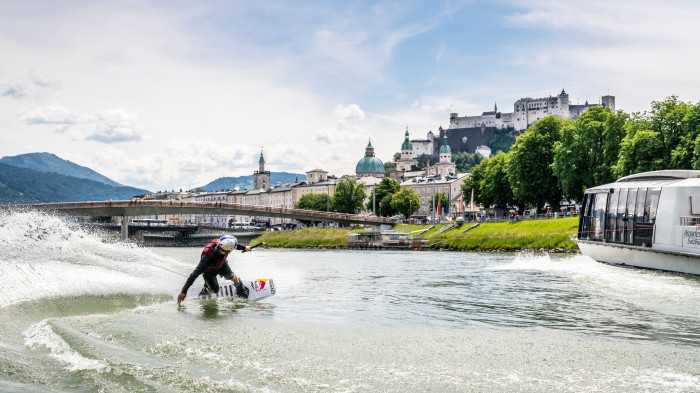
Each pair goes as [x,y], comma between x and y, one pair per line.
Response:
[384,190]
[529,167]
[588,151]
[441,199]
[466,161]
[501,141]
[666,118]
[473,182]
[406,201]
[318,202]
[389,167]
[495,187]
[349,196]
[397,156]
[684,156]
[641,153]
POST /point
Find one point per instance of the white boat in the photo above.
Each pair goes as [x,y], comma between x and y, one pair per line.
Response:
[649,220]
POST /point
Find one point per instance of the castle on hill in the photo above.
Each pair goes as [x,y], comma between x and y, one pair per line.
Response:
[527,111]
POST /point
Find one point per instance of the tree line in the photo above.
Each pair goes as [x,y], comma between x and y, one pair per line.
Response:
[387,199]
[555,159]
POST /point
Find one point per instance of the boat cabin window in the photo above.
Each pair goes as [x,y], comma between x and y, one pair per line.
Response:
[621,215]
[651,204]
[629,215]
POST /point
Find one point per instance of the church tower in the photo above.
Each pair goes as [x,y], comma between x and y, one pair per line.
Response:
[406,162]
[261,177]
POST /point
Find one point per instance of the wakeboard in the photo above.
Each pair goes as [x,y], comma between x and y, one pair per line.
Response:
[257,289]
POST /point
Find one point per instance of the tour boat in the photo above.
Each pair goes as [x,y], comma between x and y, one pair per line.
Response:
[649,220]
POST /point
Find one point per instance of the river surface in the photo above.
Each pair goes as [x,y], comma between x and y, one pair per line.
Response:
[81,315]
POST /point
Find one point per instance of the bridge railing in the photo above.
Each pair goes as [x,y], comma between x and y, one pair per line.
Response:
[209,207]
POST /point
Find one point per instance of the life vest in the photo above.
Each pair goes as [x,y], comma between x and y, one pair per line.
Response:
[217,259]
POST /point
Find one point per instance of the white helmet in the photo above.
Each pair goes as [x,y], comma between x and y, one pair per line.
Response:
[227,244]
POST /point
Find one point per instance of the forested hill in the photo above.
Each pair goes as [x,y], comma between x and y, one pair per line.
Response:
[24,185]
[47,162]
[246,182]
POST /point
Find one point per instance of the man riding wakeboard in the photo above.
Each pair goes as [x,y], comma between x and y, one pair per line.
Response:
[212,263]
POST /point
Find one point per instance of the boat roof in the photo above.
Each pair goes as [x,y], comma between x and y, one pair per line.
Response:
[647,179]
[667,174]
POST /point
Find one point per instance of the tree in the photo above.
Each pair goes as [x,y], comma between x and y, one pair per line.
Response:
[529,167]
[473,182]
[406,201]
[318,202]
[384,190]
[389,167]
[441,200]
[397,156]
[466,161]
[641,153]
[501,141]
[588,150]
[666,118]
[495,187]
[349,196]
[684,156]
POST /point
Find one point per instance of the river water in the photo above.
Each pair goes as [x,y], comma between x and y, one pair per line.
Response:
[81,315]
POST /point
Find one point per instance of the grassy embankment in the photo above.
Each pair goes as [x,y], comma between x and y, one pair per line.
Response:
[552,234]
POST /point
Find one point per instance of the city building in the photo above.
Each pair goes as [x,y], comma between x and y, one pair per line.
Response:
[261,177]
[444,167]
[407,162]
[484,150]
[528,110]
[369,165]
[318,182]
[427,186]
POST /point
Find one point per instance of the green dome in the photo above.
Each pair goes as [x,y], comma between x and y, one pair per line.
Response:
[369,164]
[445,148]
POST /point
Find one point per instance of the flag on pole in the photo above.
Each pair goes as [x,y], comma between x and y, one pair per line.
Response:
[471,203]
[438,203]
[449,200]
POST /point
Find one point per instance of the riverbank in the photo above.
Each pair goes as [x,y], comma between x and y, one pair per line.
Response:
[552,235]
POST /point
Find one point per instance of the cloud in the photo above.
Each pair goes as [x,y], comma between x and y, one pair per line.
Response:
[52,114]
[348,128]
[106,126]
[16,90]
[350,112]
[23,88]
[114,125]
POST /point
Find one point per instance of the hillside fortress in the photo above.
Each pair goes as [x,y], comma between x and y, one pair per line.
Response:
[528,110]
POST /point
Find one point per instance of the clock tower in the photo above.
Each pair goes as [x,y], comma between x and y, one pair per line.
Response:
[261,177]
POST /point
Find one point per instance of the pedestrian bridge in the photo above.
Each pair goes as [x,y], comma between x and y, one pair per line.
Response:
[146,208]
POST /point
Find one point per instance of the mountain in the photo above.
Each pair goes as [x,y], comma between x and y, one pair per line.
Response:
[246,182]
[47,162]
[24,185]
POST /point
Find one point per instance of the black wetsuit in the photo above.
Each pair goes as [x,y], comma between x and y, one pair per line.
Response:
[211,264]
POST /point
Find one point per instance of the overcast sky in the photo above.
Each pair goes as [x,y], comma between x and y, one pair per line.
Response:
[174,94]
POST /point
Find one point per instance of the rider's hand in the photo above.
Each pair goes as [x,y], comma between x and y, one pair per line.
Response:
[247,249]
[180,298]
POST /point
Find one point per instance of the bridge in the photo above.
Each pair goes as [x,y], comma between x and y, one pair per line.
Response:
[128,209]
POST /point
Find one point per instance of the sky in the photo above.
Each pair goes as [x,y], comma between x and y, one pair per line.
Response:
[174,94]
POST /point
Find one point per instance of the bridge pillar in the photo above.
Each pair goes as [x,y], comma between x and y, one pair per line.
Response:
[125,228]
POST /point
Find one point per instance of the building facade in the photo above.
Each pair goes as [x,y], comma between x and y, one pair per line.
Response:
[527,111]
[427,186]
[261,177]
